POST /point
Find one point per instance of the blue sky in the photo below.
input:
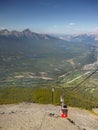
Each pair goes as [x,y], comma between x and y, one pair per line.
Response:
[50,16]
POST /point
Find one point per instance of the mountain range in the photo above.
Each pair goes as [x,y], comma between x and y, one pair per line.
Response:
[86,38]
[25,33]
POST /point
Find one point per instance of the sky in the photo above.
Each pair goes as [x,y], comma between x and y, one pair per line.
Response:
[50,16]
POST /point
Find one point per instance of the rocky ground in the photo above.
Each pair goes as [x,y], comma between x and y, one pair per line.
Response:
[29,116]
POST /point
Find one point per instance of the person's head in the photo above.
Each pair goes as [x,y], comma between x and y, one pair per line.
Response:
[64,106]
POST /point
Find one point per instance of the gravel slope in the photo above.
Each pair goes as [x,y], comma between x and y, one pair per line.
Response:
[29,116]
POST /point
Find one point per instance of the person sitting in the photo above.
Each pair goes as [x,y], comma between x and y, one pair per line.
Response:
[64,111]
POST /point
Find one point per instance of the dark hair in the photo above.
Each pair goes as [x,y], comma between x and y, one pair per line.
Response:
[64,106]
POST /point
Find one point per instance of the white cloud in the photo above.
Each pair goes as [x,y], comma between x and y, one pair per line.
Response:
[71,24]
[96,28]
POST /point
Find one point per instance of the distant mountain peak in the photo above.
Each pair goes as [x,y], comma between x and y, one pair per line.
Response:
[85,37]
[27,30]
[4,32]
[27,33]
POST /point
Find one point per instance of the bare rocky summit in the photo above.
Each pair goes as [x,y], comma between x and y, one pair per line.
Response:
[29,116]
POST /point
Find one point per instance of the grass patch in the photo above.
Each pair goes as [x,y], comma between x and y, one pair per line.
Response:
[11,95]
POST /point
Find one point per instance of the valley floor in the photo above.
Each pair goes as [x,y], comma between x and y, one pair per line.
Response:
[29,116]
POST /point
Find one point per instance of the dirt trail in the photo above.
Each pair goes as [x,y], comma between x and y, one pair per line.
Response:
[29,116]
